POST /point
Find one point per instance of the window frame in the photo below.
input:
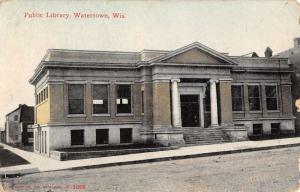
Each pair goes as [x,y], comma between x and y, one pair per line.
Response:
[108,99]
[242,97]
[131,98]
[259,93]
[277,98]
[84,99]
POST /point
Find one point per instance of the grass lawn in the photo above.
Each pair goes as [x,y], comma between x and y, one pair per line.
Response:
[8,158]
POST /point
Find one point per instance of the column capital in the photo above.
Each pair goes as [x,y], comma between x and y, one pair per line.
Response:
[175,80]
[213,81]
[226,79]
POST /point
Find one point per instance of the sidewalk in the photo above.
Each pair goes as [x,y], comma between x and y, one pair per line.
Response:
[41,164]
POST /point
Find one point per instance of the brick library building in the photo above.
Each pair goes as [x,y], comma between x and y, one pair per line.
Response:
[191,95]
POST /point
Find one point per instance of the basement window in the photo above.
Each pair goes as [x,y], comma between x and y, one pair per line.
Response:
[77,137]
[257,130]
[125,135]
[275,128]
[101,136]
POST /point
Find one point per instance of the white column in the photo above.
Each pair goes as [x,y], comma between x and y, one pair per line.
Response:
[201,110]
[176,113]
[213,103]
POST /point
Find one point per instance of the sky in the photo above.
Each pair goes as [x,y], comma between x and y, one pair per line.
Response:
[237,27]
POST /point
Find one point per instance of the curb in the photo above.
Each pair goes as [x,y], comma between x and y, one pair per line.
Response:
[36,170]
[17,173]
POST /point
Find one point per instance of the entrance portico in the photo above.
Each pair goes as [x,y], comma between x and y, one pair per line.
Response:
[194,89]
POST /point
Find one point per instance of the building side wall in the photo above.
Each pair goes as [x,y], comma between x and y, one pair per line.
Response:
[43,112]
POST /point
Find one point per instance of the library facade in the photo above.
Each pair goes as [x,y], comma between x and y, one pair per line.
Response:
[190,95]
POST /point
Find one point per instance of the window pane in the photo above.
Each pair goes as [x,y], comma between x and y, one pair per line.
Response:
[124,91]
[123,99]
[76,92]
[271,96]
[237,104]
[271,91]
[76,99]
[271,103]
[237,99]
[254,97]
[253,91]
[254,104]
[100,99]
[76,106]
[236,91]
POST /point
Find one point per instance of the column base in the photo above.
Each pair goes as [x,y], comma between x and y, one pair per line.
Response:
[214,126]
[165,136]
[167,139]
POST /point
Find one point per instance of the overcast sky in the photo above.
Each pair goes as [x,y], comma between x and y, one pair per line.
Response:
[237,27]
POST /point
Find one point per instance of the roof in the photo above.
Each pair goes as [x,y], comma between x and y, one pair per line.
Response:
[19,107]
[119,59]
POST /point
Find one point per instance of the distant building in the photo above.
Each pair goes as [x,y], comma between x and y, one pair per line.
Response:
[293,55]
[2,135]
[18,125]
[193,94]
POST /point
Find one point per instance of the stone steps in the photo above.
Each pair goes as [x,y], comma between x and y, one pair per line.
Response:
[204,136]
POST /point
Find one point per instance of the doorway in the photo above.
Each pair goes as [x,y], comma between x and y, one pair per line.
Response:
[190,110]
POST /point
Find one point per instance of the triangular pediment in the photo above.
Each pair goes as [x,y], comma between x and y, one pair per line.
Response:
[195,53]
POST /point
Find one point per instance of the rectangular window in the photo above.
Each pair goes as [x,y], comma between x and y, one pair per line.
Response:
[271,97]
[254,97]
[143,103]
[42,96]
[123,99]
[101,136]
[275,128]
[77,137]
[125,135]
[257,130]
[100,99]
[76,99]
[237,97]
[46,89]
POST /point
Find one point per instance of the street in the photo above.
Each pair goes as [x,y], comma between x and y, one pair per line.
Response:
[270,170]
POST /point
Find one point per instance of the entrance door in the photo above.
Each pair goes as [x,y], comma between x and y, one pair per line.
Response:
[190,110]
